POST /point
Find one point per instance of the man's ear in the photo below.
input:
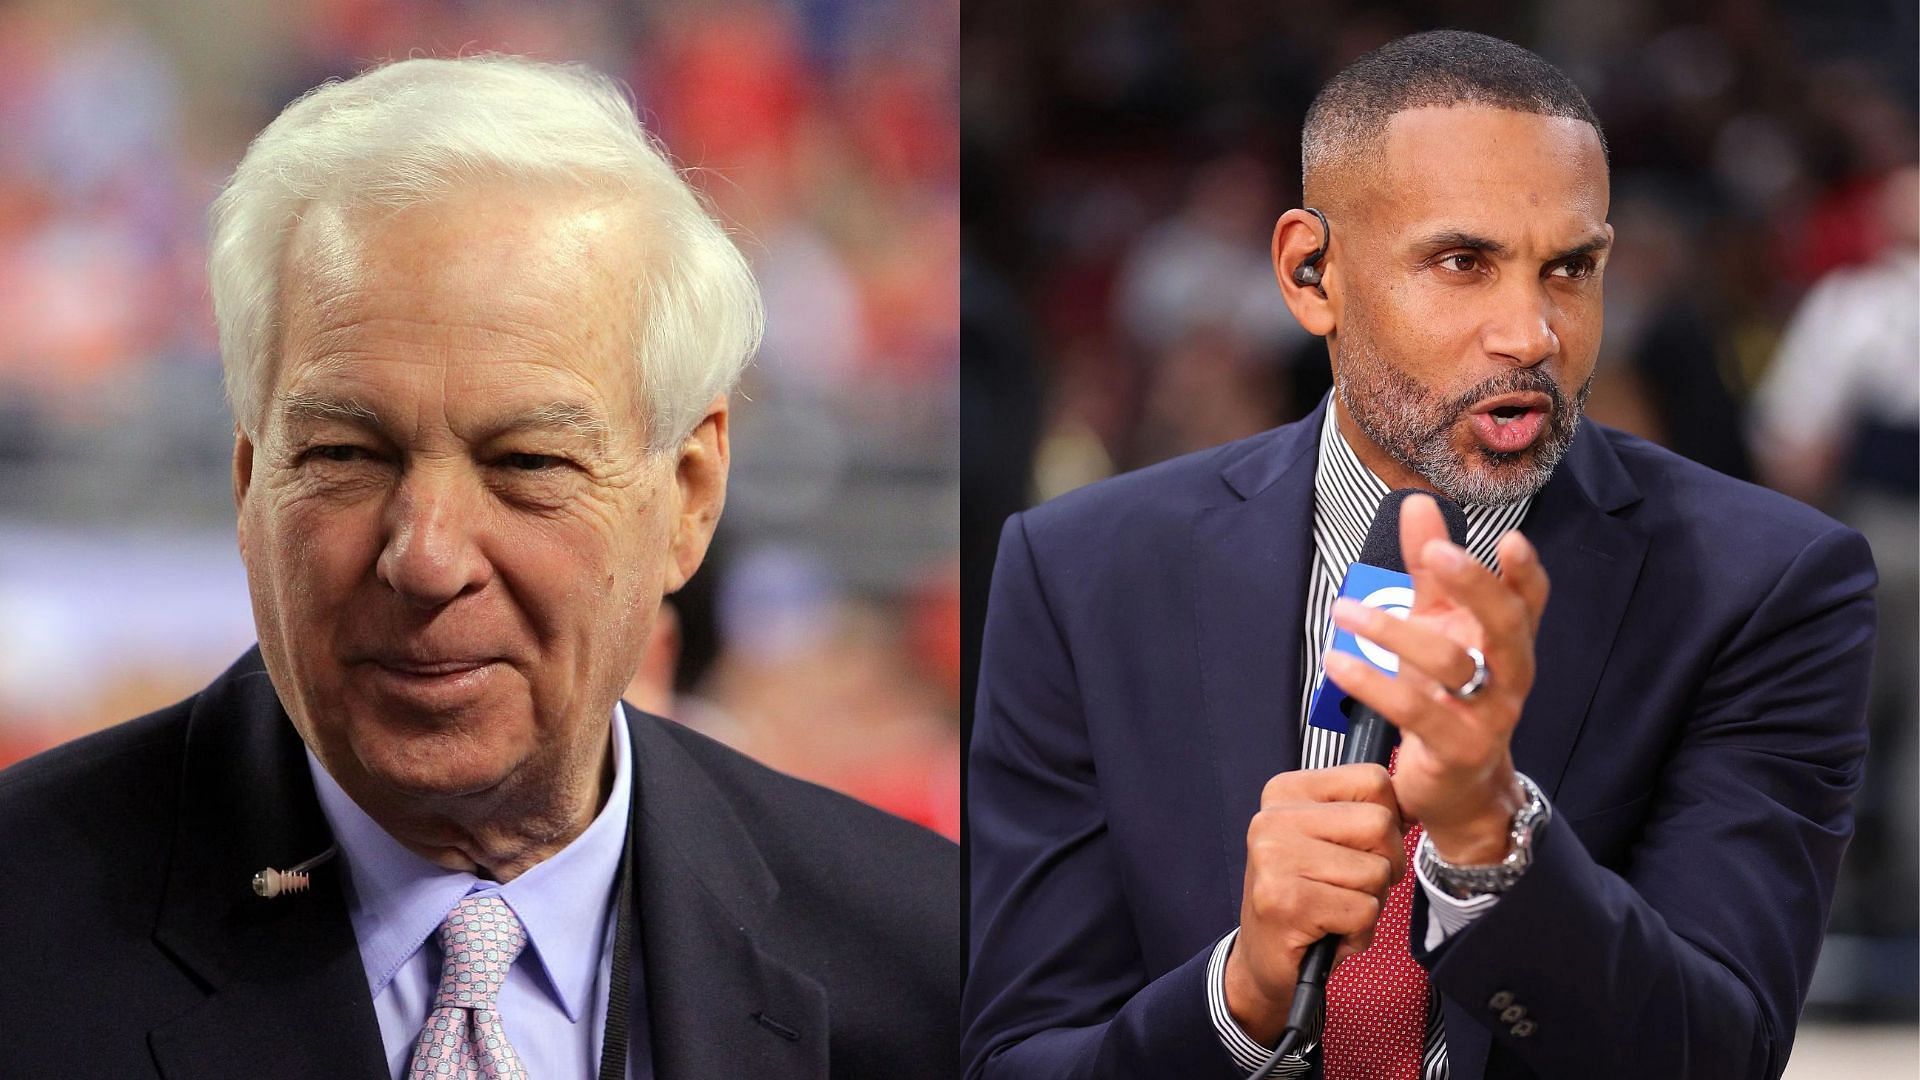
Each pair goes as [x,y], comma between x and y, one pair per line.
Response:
[242,482]
[242,465]
[700,473]
[1296,236]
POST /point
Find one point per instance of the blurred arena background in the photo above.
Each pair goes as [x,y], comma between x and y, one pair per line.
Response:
[822,635]
[1125,161]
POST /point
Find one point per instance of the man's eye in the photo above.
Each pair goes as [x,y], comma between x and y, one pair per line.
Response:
[339,453]
[531,462]
[1464,262]
[1577,268]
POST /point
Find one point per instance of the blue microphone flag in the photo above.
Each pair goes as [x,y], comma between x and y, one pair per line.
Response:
[1377,579]
[1388,590]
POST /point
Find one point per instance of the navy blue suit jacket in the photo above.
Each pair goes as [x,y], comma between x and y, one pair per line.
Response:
[1696,723]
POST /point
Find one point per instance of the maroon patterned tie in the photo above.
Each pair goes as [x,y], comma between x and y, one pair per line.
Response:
[1377,999]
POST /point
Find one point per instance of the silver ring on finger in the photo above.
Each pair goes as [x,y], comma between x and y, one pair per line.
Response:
[1472,687]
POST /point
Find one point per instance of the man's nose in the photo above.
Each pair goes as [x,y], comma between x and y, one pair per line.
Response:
[433,553]
[1520,331]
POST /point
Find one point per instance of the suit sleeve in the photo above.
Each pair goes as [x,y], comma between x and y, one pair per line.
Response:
[1694,959]
[1057,987]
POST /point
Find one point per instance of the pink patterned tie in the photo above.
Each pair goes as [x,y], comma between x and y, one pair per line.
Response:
[463,1037]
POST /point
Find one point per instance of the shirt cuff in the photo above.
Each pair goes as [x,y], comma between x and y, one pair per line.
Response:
[1447,914]
[1246,1053]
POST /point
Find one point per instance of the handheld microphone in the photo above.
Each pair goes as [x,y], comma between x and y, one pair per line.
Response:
[1377,579]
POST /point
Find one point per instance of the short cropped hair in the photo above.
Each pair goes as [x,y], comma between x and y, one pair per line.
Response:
[408,133]
[1439,67]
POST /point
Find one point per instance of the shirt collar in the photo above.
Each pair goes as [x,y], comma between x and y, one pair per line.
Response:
[397,899]
[1346,496]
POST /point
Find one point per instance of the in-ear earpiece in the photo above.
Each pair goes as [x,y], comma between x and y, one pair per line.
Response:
[1307,274]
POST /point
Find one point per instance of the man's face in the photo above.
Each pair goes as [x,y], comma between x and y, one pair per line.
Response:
[1469,318]
[455,537]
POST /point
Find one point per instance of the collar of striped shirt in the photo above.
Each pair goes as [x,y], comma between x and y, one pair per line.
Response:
[1346,496]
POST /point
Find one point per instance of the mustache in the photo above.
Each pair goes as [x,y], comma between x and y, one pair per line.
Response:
[1516,381]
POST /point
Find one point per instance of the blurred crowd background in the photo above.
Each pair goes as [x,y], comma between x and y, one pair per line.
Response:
[1125,161]
[822,635]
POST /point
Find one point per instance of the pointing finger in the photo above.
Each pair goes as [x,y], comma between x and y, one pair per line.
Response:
[1420,524]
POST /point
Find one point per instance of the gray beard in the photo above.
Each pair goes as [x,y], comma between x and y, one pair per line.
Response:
[1415,428]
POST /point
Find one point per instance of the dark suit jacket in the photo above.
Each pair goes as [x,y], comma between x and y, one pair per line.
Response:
[134,947]
[1696,723]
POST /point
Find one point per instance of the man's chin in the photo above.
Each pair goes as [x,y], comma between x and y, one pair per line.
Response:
[431,764]
[1491,478]
[434,784]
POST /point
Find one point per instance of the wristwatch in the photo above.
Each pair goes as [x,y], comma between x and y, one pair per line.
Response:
[1467,882]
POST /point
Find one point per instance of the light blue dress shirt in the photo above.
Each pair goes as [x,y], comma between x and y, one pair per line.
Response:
[554,1001]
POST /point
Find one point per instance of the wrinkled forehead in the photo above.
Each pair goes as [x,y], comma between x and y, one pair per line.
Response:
[508,291]
[508,242]
[1488,169]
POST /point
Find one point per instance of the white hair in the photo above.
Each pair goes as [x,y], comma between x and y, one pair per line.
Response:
[408,132]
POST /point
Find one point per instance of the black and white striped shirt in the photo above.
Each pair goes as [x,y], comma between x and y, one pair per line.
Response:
[1346,496]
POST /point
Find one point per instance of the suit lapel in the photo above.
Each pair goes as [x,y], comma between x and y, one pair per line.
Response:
[1593,559]
[717,1003]
[287,994]
[1253,556]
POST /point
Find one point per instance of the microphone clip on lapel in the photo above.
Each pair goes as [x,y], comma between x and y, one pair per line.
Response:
[270,883]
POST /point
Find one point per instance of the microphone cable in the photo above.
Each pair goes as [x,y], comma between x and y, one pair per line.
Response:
[1370,738]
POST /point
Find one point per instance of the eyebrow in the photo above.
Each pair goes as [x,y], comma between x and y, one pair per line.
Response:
[1595,243]
[307,406]
[1457,238]
[567,417]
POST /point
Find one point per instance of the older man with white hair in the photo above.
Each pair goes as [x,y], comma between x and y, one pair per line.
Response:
[479,337]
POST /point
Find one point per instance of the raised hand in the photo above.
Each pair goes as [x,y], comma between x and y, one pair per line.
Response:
[1455,773]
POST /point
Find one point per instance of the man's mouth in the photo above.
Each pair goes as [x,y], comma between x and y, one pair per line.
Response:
[1510,423]
[433,683]
[430,668]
